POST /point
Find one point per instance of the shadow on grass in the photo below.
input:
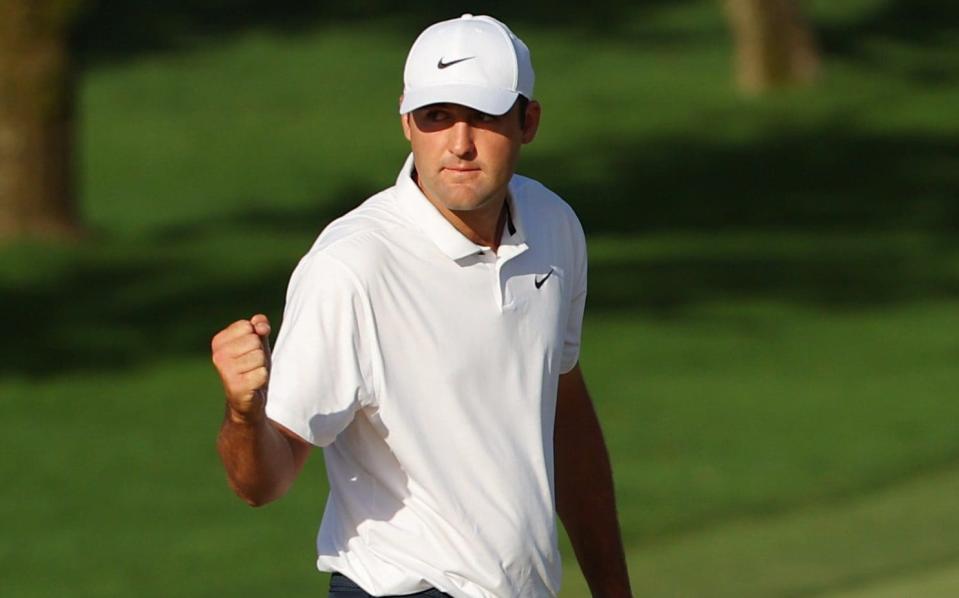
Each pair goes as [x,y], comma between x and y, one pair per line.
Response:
[116,29]
[911,22]
[901,24]
[105,314]
[306,223]
[118,305]
[830,178]
[665,286]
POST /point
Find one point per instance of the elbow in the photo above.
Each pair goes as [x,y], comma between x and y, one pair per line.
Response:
[254,497]
[255,501]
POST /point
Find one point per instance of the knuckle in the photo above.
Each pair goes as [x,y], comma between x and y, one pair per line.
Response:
[237,390]
[258,377]
[241,326]
[218,339]
[229,334]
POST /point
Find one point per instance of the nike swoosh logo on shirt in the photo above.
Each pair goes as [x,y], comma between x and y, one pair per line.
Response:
[540,281]
[443,65]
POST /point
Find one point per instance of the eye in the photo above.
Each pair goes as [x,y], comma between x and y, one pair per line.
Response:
[486,118]
[436,115]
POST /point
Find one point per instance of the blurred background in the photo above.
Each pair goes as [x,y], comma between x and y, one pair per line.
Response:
[771,197]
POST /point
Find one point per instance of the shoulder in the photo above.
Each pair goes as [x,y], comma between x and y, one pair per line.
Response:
[542,207]
[376,216]
[350,244]
[364,230]
[536,192]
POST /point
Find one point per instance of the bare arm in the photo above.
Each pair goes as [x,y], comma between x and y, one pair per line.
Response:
[261,457]
[584,490]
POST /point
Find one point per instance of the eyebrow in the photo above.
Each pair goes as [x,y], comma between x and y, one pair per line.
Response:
[451,107]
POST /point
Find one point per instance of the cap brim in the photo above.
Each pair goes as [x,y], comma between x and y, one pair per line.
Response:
[489,101]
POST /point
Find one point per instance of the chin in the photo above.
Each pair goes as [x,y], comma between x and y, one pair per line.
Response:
[463,206]
[464,202]
[466,206]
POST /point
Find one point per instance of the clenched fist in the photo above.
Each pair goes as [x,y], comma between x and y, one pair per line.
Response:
[241,354]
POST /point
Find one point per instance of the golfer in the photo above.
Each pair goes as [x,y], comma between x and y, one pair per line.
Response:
[430,344]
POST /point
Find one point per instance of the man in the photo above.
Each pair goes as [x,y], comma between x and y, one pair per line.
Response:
[430,343]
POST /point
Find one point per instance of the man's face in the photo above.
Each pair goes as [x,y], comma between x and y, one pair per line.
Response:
[465,158]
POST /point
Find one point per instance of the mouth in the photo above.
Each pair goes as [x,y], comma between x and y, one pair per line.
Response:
[461,169]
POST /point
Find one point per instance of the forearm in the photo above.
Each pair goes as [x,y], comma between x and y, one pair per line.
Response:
[258,458]
[585,498]
[586,505]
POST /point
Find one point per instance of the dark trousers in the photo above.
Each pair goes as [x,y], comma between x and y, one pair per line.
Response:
[342,586]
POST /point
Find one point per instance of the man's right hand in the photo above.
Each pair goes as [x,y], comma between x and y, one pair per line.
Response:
[241,354]
[261,457]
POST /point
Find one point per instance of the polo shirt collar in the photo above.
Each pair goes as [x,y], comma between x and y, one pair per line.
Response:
[443,234]
[513,240]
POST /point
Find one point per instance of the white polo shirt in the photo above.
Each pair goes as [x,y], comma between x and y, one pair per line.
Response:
[428,367]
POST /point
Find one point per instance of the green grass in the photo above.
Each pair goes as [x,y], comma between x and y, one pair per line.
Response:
[770,336]
[886,538]
[736,475]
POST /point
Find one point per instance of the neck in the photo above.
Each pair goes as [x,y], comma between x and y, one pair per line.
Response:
[483,226]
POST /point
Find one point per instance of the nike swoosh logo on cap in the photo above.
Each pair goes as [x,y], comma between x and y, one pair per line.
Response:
[443,65]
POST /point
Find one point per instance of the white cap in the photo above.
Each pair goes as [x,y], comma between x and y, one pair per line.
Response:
[473,61]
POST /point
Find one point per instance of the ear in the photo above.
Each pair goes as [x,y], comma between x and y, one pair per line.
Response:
[533,113]
[404,119]
[405,123]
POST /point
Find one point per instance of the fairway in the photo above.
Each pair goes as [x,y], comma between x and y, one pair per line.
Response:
[770,336]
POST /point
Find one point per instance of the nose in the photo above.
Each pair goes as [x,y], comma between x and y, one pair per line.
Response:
[461,140]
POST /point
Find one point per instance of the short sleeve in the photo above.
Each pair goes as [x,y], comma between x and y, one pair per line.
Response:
[574,322]
[320,375]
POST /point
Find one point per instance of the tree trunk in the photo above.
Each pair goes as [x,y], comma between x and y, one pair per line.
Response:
[37,196]
[775,46]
